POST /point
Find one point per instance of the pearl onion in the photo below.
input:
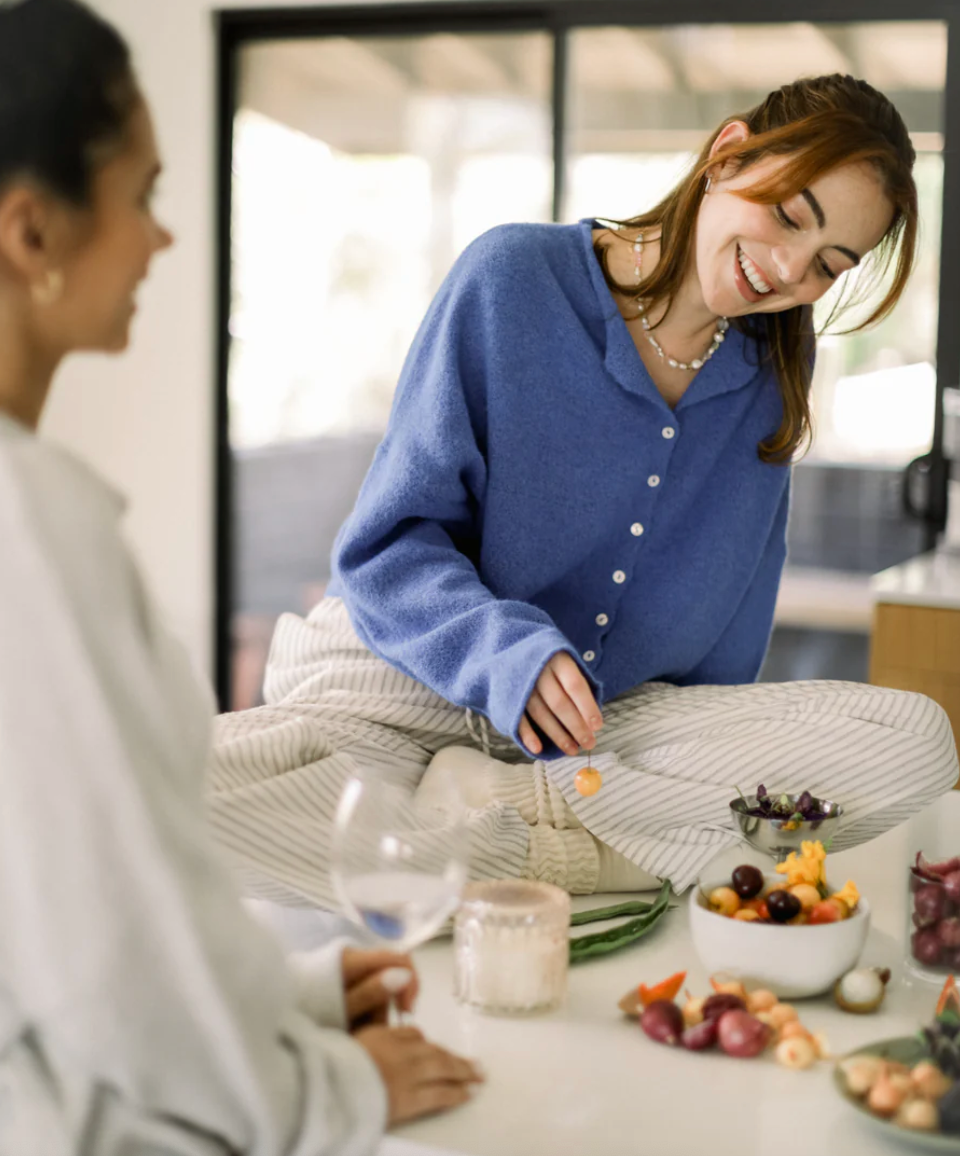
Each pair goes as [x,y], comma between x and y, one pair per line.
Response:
[797,1052]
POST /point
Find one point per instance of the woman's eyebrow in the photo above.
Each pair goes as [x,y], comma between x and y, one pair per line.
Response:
[817,209]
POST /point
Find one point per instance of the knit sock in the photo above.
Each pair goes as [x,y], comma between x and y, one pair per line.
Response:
[455,771]
[481,780]
[617,873]
[560,851]
[568,859]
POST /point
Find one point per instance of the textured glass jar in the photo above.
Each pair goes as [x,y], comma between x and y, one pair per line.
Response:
[512,946]
[933,927]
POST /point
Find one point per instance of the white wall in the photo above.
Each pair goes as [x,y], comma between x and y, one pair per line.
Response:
[146,420]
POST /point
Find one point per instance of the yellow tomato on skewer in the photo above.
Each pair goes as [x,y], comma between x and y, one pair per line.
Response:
[588,781]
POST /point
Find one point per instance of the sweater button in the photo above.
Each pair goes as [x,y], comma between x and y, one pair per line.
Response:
[588,656]
[636,529]
[619,577]
[602,620]
[653,480]
[668,431]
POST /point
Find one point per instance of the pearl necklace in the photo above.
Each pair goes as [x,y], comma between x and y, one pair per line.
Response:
[698,362]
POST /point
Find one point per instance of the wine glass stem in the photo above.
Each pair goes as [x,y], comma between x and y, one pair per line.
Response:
[396,1016]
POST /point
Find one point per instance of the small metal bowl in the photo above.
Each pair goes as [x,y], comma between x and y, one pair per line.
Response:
[778,837]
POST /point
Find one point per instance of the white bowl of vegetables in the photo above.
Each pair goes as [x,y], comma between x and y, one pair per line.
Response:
[794,958]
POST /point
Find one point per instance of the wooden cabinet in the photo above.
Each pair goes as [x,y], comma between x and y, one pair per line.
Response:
[918,648]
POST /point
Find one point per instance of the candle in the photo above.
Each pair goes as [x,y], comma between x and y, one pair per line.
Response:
[511,946]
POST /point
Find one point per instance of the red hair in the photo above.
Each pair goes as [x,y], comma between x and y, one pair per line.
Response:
[817,125]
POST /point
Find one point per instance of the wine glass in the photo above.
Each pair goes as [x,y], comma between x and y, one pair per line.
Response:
[399,867]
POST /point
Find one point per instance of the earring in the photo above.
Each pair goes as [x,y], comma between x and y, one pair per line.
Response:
[49,291]
[706,187]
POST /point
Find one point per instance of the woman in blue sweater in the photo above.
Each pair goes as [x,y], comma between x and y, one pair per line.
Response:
[574,529]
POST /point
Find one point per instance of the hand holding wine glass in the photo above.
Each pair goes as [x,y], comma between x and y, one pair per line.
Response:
[372,981]
[399,868]
[400,871]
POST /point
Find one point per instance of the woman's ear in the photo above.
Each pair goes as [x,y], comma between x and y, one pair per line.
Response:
[736,132]
[27,234]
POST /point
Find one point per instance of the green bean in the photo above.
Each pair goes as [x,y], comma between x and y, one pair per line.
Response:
[605,942]
[631,907]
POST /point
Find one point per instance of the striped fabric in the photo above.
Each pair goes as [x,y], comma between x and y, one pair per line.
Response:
[671,757]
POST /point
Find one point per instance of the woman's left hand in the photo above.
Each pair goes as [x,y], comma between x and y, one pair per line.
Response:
[371,980]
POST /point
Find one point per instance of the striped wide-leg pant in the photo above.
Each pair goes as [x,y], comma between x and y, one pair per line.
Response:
[671,757]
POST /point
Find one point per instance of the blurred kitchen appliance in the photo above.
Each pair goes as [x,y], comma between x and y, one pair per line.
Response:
[951,451]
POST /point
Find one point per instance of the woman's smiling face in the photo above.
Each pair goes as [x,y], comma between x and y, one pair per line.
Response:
[757,258]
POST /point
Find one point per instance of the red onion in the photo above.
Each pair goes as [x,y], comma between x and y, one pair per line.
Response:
[742,1034]
[926,946]
[936,871]
[723,1001]
[948,932]
[702,1035]
[662,1020]
[928,902]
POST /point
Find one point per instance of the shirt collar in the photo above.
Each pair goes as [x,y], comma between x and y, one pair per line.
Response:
[83,475]
[734,365]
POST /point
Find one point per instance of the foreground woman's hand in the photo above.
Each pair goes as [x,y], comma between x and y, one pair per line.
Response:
[563,707]
[421,1078]
[371,980]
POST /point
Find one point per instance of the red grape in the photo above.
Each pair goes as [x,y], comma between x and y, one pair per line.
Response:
[951,885]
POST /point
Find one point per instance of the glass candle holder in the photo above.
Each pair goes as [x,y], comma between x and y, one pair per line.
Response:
[933,925]
[512,947]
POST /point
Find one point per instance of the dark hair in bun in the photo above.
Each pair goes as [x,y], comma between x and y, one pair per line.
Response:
[67,89]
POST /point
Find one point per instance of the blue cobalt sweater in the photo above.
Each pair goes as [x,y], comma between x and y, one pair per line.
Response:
[534,494]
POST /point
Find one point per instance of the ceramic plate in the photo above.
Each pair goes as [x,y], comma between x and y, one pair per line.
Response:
[906,1050]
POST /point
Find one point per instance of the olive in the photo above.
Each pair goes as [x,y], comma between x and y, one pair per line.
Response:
[782,906]
[747,881]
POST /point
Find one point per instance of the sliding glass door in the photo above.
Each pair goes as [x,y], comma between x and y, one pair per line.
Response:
[361,167]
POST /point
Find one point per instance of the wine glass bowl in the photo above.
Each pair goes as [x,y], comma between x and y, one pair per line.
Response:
[398,869]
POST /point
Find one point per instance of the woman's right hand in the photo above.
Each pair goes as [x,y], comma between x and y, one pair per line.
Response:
[421,1078]
[563,707]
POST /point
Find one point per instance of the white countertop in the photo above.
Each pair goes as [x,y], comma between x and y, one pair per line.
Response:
[928,580]
[818,599]
[584,1081]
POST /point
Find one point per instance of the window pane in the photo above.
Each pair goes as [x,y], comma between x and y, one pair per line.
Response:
[362,168]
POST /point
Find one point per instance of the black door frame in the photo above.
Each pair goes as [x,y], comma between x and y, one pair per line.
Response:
[238,27]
